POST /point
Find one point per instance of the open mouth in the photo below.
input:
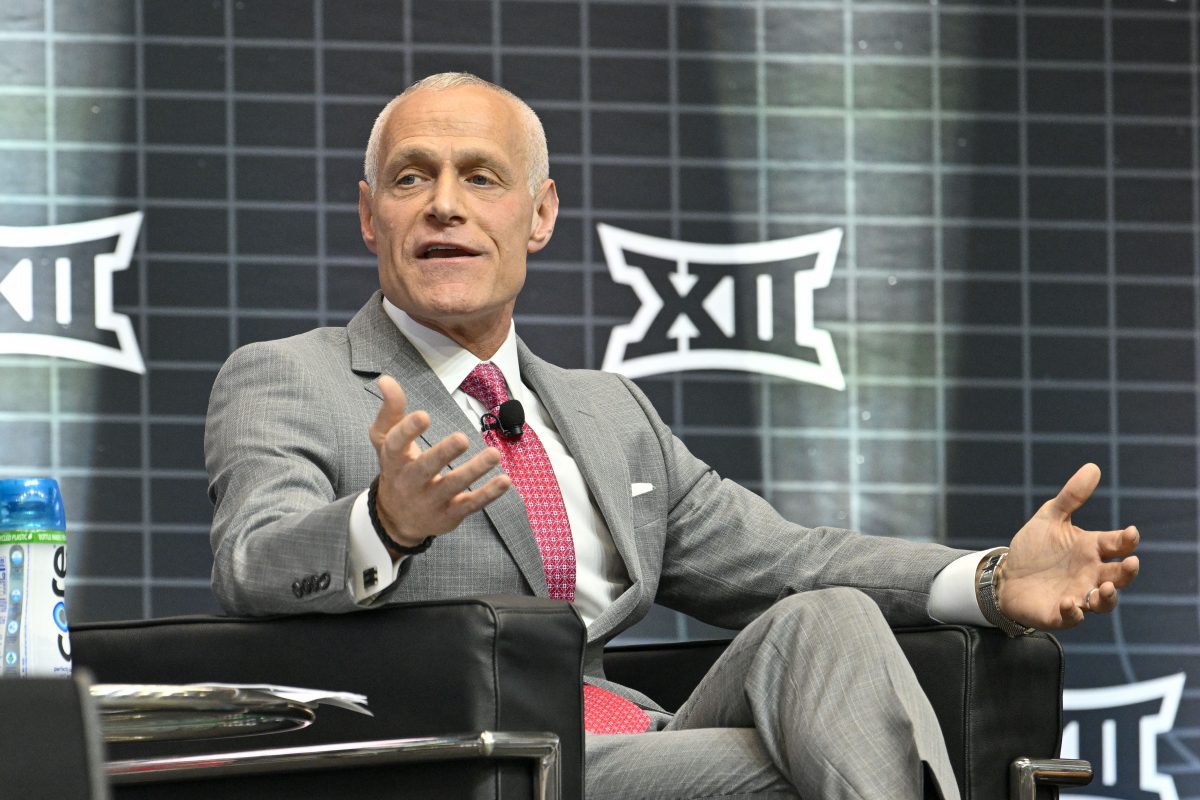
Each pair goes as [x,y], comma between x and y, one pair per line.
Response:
[439,251]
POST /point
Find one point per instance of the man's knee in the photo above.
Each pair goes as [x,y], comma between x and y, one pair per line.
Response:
[835,618]
[833,603]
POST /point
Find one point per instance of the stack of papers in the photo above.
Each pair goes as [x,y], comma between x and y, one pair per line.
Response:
[309,697]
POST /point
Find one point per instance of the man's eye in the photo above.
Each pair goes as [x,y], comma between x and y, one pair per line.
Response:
[480,180]
[406,180]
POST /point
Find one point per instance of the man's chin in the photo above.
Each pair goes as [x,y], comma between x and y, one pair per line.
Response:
[462,321]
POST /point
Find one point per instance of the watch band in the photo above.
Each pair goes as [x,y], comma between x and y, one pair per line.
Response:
[989,603]
[393,547]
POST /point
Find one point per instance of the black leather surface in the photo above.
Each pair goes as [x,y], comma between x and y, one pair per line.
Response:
[511,664]
[44,740]
[996,698]
[666,672]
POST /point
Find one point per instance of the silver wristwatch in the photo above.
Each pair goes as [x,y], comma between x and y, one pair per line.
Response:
[989,603]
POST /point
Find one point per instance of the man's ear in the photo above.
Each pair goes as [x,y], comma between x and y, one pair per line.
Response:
[545,214]
[366,216]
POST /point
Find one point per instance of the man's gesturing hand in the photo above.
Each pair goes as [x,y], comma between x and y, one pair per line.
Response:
[416,499]
[1053,565]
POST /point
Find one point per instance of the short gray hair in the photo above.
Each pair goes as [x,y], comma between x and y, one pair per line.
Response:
[536,152]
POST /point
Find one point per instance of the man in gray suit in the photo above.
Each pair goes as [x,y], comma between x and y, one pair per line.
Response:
[331,495]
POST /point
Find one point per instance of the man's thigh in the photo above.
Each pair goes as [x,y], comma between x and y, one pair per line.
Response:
[682,765]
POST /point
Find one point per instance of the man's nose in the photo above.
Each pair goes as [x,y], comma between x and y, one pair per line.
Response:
[446,204]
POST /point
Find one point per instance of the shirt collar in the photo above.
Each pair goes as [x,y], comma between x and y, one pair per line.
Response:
[450,362]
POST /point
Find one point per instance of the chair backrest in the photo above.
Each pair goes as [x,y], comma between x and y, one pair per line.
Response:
[50,740]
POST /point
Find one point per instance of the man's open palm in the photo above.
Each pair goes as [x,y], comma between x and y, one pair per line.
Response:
[1053,564]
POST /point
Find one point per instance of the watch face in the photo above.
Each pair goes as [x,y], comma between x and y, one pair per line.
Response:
[989,569]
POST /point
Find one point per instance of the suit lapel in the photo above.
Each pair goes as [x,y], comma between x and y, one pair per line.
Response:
[378,348]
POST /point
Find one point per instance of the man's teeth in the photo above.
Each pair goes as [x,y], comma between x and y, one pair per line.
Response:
[439,248]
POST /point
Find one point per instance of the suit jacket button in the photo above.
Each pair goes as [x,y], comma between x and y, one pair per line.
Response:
[323,582]
[297,588]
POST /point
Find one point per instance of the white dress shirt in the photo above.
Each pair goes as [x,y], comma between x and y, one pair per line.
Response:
[600,574]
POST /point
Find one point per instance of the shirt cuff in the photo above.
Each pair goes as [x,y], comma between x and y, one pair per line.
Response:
[371,569]
[952,598]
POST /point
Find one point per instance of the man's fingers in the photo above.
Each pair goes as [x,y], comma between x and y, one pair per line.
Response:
[391,411]
[466,503]
[1077,490]
[1130,567]
[1118,544]
[461,505]
[434,500]
[425,472]
[438,457]
[1103,599]
[394,401]
[397,440]
[436,504]
[1070,613]
[462,476]
[1120,573]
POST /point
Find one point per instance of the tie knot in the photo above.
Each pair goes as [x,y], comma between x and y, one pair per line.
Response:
[486,384]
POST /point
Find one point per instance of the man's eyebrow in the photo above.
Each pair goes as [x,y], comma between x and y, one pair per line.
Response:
[475,156]
[409,155]
[469,156]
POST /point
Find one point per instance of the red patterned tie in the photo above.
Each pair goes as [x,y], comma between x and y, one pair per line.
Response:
[526,462]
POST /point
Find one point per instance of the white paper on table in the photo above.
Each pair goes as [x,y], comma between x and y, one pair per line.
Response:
[347,700]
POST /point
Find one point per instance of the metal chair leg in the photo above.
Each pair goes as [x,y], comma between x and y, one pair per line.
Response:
[1026,774]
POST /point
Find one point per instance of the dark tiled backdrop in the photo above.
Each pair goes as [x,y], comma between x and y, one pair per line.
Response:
[1016,291]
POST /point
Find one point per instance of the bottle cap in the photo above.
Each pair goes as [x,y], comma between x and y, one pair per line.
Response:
[31,504]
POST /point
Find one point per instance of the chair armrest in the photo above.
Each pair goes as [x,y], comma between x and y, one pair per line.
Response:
[454,666]
[51,739]
[996,698]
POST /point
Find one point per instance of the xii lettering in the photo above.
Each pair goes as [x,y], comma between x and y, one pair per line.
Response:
[51,290]
[1117,729]
[56,291]
[746,307]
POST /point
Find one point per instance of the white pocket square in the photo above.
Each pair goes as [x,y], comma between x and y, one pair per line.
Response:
[640,488]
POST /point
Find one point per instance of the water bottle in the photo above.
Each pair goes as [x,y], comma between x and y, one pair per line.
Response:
[33,573]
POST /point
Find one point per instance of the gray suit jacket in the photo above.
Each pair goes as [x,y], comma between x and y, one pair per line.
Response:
[287,451]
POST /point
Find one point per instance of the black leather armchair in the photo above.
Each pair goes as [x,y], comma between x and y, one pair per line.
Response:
[514,664]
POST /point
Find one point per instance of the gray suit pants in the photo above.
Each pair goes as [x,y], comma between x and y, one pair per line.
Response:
[814,699]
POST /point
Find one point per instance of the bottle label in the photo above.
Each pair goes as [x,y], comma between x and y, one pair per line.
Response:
[33,537]
[33,573]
